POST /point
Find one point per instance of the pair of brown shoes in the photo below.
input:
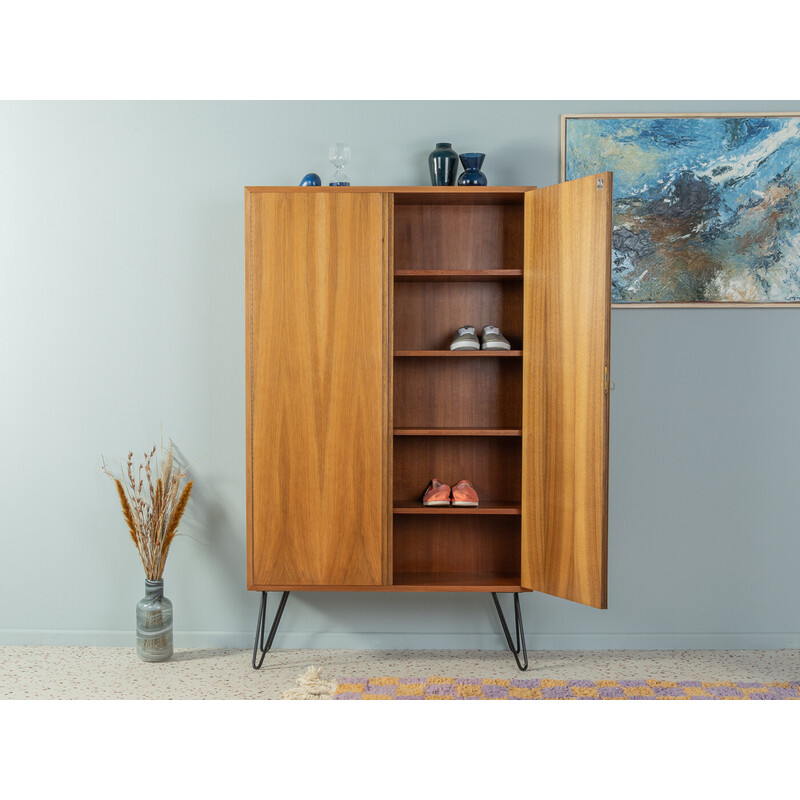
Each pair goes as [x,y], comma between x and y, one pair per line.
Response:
[462,495]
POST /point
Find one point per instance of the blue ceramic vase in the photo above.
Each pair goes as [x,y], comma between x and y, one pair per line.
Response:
[443,165]
[472,175]
[312,179]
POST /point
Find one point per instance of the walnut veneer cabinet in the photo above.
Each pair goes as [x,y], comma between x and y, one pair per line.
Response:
[354,401]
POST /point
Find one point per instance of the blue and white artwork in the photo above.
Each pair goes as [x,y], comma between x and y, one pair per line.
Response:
[706,209]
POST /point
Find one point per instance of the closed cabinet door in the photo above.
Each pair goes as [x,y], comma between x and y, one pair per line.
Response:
[317,282]
[567,295]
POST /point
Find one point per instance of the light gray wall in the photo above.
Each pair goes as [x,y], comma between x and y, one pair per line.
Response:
[121,311]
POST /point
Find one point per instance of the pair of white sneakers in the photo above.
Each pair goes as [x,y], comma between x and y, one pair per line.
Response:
[467,339]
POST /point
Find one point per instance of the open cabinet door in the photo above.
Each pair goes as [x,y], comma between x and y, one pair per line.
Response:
[567,310]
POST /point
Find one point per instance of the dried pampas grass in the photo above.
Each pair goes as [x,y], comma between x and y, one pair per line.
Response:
[152,513]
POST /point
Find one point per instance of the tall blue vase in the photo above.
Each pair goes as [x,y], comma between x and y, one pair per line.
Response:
[472,175]
[443,165]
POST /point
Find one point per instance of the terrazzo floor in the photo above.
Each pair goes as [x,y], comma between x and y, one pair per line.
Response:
[116,673]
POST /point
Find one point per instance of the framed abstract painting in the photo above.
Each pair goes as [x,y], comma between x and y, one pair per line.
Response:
[706,206]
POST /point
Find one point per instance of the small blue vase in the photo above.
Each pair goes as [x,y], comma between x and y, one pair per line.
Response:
[312,179]
[472,175]
[443,165]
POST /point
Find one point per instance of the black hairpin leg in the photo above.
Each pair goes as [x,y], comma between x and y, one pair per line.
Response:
[523,665]
[262,618]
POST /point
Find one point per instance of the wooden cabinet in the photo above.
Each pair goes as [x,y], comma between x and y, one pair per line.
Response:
[355,402]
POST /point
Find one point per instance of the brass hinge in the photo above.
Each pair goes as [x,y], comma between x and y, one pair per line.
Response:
[605,379]
[600,183]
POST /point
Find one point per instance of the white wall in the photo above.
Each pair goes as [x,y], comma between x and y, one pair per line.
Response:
[122,310]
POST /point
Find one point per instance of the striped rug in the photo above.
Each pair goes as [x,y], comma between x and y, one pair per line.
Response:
[442,688]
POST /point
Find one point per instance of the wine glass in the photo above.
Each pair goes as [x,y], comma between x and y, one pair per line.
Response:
[339,155]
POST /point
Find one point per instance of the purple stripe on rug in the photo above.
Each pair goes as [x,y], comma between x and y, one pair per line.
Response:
[439,689]
[495,692]
[556,692]
[525,683]
[725,691]
[610,691]
[668,691]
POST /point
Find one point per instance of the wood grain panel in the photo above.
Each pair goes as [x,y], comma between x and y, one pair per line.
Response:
[492,508]
[458,353]
[458,431]
[457,393]
[388,395]
[414,195]
[417,582]
[318,382]
[458,274]
[491,464]
[428,314]
[458,236]
[456,546]
[565,402]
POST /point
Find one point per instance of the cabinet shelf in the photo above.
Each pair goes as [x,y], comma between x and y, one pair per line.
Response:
[485,507]
[458,431]
[458,354]
[457,274]
[458,581]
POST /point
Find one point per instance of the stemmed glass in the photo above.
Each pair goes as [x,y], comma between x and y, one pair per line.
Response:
[339,155]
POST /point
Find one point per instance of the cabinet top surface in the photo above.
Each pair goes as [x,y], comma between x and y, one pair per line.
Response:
[412,195]
[478,190]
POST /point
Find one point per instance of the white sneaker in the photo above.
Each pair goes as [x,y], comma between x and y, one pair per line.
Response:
[465,339]
[493,339]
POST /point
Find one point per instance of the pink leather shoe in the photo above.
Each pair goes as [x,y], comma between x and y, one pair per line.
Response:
[437,494]
[464,496]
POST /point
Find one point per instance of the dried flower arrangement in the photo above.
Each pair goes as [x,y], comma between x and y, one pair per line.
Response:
[152,515]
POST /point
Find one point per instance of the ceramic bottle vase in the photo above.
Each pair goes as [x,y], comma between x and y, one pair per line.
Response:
[154,623]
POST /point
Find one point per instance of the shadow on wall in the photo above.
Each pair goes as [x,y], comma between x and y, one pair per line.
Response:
[208,512]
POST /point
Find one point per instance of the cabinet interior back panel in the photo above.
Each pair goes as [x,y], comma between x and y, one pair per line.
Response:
[457,393]
[491,463]
[427,314]
[458,236]
[458,544]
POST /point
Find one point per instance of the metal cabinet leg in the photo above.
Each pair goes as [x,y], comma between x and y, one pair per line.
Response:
[520,646]
[262,618]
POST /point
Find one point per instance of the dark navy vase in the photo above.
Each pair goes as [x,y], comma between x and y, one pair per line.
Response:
[443,165]
[472,175]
